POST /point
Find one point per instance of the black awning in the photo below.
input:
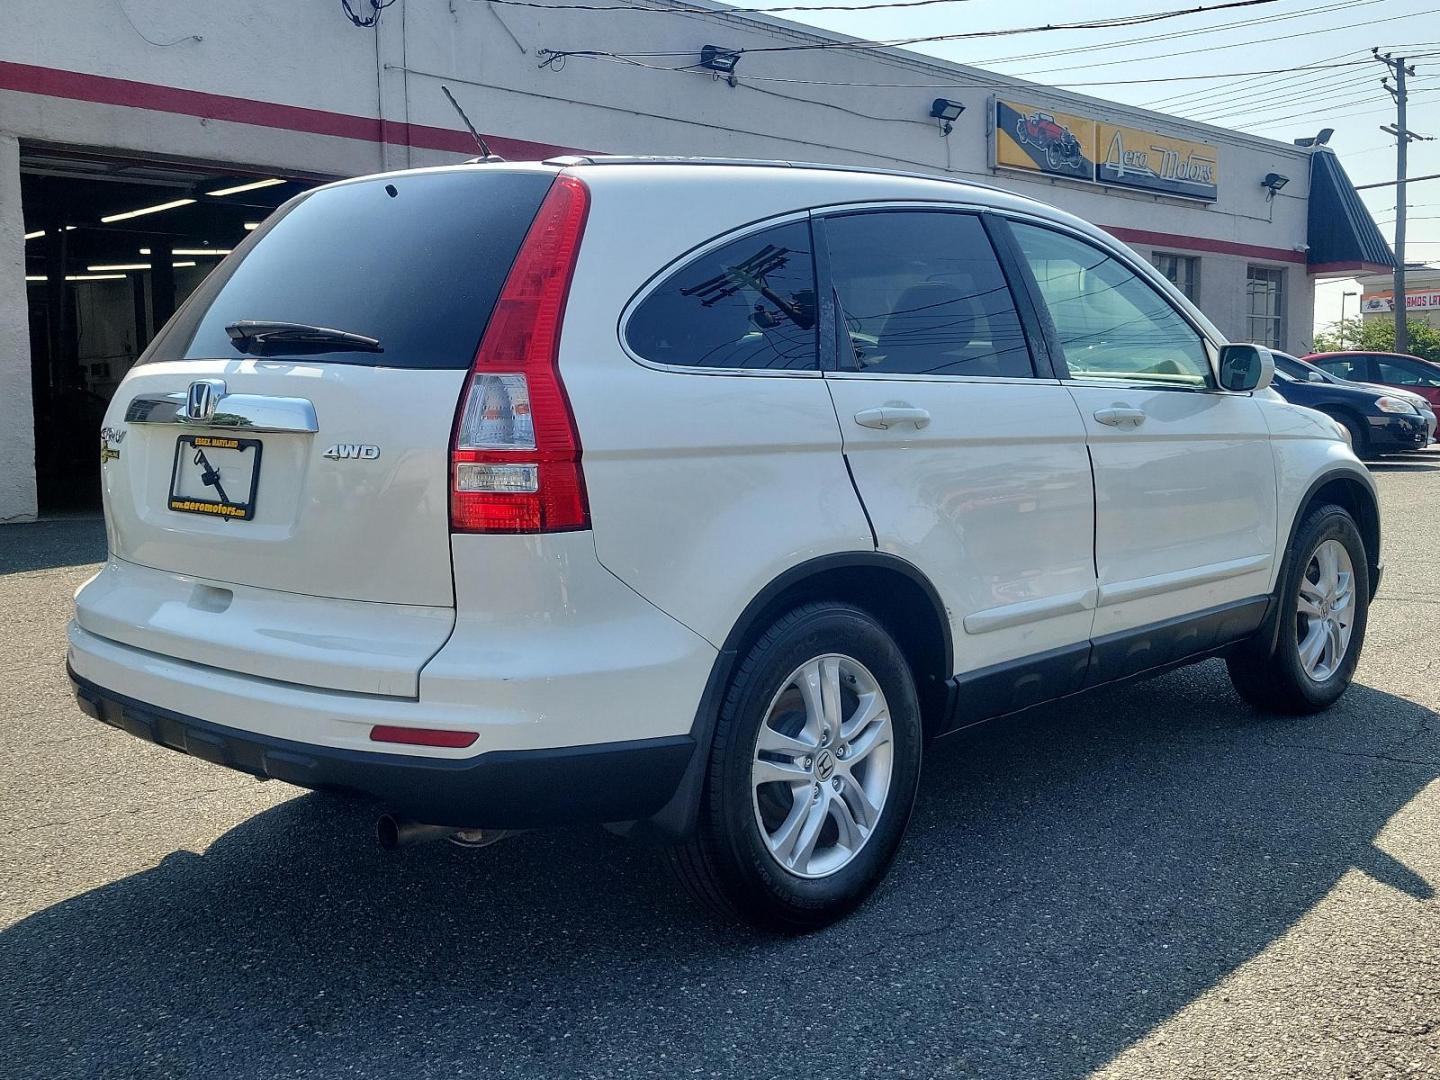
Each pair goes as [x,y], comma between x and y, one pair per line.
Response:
[1341,233]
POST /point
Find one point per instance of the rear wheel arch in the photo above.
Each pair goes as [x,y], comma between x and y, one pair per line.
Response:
[899,596]
[895,592]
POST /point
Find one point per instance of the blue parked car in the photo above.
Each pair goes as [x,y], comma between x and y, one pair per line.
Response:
[1380,420]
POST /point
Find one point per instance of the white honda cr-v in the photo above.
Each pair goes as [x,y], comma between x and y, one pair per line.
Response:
[693,498]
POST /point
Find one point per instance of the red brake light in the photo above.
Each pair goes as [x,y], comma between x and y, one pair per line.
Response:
[515,453]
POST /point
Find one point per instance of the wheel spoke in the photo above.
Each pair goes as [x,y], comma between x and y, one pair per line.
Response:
[1336,650]
[777,742]
[876,735]
[1329,564]
[1308,605]
[851,834]
[765,771]
[809,681]
[809,833]
[871,708]
[857,800]
[830,692]
[1313,646]
[1309,590]
[782,841]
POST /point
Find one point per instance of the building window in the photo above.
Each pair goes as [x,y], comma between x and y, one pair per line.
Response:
[1265,292]
[1183,271]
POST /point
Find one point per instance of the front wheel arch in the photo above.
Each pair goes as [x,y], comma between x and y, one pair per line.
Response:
[1345,489]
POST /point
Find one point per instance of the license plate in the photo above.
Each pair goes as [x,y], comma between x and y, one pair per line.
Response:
[215,475]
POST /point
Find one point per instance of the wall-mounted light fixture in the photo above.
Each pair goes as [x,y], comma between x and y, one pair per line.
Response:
[946,112]
[721,61]
[1272,184]
[1321,138]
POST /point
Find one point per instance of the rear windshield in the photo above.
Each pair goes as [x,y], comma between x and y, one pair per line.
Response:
[415,262]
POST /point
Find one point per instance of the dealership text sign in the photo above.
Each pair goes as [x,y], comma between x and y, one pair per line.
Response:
[1414,301]
[1035,139]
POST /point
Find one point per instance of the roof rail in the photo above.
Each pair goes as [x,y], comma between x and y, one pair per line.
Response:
[572,160]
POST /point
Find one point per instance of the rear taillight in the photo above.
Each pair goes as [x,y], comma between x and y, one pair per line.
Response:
[515,455]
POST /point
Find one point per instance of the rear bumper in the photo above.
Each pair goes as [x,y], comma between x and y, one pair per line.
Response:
[503,789]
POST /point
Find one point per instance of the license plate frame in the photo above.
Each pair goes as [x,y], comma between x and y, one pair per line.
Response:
[190,446]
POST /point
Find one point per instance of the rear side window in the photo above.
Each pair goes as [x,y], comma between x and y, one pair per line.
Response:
[415,261]
[921,292]
[747,304]
[1399,372]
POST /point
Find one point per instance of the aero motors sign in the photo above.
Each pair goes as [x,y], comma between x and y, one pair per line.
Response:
[1414,301]
[1037,139]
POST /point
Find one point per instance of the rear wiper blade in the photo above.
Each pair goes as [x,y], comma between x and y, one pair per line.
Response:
[250,332]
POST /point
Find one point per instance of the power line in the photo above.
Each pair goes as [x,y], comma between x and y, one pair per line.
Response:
[551,55]
[1277,102]
[1392,183]
[1171,35]
[1205,97]
[1232,45]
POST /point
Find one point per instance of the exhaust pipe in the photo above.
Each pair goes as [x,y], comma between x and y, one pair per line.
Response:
[394,833]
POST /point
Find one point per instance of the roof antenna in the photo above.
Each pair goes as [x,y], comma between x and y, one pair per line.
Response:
[485,154]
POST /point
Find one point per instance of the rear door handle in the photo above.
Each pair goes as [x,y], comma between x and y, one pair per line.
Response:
[1120,416]
[887,416]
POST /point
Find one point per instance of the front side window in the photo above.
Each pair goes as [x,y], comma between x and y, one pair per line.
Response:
[1265,293]
[747,304]
[1182,271]
[1109,322]
[922,293]
[1396,372]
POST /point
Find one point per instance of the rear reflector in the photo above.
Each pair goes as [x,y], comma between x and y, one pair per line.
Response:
[515,455]
[415,736]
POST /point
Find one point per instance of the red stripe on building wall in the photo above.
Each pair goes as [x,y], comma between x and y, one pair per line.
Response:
[1204,243]
[78,86]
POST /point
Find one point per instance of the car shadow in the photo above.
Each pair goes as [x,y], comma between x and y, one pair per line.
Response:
[70,540]
[1072,878]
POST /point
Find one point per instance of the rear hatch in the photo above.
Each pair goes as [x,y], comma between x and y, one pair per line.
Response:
[249,448]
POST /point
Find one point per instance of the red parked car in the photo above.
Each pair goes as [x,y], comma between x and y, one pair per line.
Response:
[1388,369]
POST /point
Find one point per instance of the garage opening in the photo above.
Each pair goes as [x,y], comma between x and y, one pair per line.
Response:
[112,247]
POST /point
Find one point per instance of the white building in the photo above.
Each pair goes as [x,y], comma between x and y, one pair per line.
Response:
[108,107]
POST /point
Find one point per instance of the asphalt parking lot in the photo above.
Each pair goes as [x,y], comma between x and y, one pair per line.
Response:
[1150,882]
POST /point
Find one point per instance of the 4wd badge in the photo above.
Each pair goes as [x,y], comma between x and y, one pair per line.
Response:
[358,451]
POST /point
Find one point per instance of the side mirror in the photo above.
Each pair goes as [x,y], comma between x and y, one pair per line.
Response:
[1314,376]
[1245,367]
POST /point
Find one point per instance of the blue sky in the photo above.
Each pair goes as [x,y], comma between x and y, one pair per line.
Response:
[1285,106]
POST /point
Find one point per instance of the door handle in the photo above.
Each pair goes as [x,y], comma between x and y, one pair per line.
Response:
[887,416]
[1121,416]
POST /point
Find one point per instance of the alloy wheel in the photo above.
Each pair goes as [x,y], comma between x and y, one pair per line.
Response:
[1325,610]
[822,765]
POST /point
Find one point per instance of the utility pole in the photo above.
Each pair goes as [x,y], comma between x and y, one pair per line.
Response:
[1403,137]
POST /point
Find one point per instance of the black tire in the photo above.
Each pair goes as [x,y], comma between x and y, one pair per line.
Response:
[726,865]
[1274,679]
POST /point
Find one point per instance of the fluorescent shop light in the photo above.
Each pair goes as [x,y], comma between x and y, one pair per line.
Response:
[128,214]
[94,277]
[110,267]
[245,187]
